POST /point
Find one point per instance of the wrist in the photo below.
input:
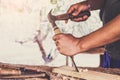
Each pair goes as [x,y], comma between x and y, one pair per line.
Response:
[80,45]
[84,44]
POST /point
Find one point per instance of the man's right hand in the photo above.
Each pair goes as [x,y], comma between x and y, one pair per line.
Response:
[67,44]
[75,10]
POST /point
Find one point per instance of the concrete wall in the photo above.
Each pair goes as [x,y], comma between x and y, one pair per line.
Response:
[22,20]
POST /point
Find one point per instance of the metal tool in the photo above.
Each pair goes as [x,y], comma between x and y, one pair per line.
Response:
[68,16]
[57,31]
[74,64]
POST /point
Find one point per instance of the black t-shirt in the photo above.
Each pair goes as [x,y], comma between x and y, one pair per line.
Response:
[110,10]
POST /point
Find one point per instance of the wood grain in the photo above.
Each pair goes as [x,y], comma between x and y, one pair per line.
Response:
[89,75]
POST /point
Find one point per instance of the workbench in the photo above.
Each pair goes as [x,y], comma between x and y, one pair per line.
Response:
[54,73]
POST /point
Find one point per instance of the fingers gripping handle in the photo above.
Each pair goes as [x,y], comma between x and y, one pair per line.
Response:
[56,30]
[80,15]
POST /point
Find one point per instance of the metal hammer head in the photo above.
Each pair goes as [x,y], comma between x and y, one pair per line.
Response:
[51,18]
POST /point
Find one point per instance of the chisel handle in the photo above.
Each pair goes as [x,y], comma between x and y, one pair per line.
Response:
[56,30]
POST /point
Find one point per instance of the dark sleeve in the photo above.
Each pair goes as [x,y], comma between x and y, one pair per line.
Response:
[110,10]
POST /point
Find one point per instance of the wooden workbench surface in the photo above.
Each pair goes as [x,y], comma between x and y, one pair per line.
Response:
[54,76]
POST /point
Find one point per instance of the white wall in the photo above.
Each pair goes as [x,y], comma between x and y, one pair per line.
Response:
[21,19]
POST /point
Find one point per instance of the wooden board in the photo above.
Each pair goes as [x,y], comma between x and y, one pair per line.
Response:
[89,75]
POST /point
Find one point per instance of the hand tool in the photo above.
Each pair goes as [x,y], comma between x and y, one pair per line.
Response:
[57,31]
[74,64]
[67,16]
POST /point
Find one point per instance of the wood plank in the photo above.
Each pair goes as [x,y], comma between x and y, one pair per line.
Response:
[36,79]
[23,76]
[89,75]
[27,79]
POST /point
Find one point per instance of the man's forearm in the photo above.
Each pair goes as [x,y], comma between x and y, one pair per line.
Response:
[95,4]
[107,34]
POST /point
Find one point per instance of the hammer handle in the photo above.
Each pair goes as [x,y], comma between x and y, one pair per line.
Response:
[70,16]
[80,15]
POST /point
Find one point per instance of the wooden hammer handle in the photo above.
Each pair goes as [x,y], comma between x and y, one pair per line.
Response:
[56,30]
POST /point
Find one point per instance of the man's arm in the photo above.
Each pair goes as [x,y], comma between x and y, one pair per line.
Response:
[87,5]
[105,35]
[70,45]
[95,4]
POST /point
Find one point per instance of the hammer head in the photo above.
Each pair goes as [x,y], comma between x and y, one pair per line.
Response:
[51,18]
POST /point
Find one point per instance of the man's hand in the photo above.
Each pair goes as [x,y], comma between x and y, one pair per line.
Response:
[75,10]
[67,44]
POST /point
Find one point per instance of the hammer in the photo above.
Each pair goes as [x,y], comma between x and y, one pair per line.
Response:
[52,20]
[67,16]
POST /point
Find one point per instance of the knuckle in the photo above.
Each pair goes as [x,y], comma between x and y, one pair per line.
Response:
[72,6]
[60,35]
[58,49]
[54,38]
